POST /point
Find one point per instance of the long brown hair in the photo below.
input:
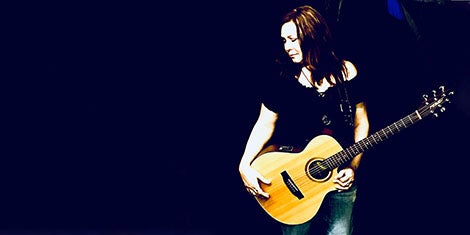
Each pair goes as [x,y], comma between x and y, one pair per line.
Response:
[316,43]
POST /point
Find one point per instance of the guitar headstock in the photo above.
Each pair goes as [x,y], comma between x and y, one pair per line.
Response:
[434,103]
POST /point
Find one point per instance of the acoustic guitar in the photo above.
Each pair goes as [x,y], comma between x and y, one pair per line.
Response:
[301,180]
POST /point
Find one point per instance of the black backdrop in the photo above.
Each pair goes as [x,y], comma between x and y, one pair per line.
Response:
[131,117]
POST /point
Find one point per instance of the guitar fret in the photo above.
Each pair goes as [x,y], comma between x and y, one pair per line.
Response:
[384,133]
[352,153]
[333,161]
[409,117]
[357,150]
[396,126]
[403,122]
[361,146]
[341,160]
[349,151]
[366,141]
[373,137]
[331,165]
[327,162]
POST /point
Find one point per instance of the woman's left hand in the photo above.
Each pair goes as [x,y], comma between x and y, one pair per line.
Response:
[344,179]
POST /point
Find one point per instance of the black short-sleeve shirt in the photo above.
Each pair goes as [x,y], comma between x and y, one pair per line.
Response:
[304,113]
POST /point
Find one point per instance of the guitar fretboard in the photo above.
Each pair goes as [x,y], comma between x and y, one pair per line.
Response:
[372,140]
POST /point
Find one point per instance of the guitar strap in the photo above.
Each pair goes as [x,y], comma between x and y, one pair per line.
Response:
[345,104]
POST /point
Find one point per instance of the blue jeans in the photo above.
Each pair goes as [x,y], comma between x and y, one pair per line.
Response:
[335,216]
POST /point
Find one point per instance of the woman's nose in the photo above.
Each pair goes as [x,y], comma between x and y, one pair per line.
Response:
[287,46]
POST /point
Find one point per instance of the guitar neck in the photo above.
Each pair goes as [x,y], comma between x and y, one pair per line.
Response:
[372,140]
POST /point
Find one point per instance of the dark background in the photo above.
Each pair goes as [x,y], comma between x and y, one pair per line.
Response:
[131,117]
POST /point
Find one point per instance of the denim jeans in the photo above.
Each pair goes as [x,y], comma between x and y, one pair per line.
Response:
[335,216]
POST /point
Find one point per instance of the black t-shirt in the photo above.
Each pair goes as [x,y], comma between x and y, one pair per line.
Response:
[304,113]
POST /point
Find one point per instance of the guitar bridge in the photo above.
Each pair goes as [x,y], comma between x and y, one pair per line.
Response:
[291,185]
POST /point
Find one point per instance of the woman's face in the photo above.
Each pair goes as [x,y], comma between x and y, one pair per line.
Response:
[291,42]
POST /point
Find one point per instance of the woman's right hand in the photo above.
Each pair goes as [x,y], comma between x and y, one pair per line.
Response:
[251,178]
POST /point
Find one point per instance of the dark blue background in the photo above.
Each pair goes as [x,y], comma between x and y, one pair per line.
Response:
[129,117]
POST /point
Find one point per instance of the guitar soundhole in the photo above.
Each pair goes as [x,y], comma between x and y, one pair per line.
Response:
[317,171]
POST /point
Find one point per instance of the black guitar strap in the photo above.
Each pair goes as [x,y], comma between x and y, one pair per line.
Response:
[345,105]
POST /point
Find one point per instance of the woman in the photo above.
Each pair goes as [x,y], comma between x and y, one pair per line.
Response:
[310,98]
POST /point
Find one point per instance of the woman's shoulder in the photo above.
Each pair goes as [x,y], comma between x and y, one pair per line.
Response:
[351,70]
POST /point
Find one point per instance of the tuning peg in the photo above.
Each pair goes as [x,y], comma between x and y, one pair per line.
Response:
[442,109]
[434,92]
[435,115]
[425,98]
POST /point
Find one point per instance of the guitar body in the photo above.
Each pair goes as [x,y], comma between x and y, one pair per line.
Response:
[295,194]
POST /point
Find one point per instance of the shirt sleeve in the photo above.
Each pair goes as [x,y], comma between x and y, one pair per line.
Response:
[272,90]
[356,90]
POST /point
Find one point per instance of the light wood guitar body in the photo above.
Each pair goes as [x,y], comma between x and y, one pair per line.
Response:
[292,170]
